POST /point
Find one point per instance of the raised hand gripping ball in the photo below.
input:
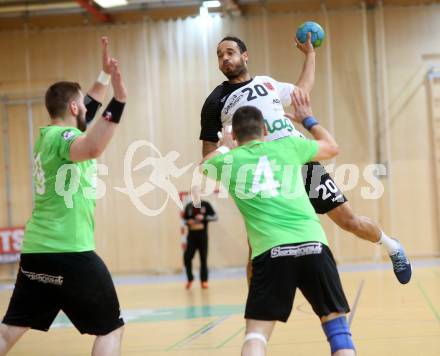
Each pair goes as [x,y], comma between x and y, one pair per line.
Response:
[318,33]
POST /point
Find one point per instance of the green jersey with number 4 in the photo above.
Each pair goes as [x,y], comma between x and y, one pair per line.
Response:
[265,181]
[63,215]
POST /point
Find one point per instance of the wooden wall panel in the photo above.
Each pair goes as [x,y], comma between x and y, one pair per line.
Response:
[3,198]
[171,66]
[21,188]
[412,168]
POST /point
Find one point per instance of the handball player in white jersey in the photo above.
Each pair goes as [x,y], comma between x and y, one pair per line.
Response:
[270,97]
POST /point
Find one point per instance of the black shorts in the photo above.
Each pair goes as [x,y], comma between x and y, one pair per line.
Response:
[78,283]
[321,189]
[277,273]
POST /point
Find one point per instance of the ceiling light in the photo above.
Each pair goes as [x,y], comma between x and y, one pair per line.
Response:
[111,3]
[210,4]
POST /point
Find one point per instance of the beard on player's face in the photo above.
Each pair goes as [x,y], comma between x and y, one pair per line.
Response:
[81,121]
[234,71]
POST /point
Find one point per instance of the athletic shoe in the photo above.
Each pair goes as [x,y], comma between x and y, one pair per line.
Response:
[401,265]
[188,285]
[204,285]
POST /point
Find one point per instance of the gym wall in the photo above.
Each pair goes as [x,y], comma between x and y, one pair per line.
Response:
[371,90]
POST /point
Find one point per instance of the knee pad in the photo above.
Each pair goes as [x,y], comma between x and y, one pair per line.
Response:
[338,334]
[257,336]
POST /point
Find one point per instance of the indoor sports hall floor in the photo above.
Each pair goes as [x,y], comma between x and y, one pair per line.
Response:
[164,319]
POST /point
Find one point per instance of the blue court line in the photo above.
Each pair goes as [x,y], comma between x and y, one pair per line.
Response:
[223,343]
[240,272]
[428,301]
[355,304]
[186,337]
[196,334]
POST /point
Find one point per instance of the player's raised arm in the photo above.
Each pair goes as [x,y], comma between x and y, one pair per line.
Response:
[92,144]
[328,148]
[306,79]
[95,96]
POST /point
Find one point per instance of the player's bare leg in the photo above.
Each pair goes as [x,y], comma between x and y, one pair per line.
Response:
[361,226]
[109,344]
[257,335]
[366,229]
[9,335]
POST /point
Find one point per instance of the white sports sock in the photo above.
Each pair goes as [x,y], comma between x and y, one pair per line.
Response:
[390,244]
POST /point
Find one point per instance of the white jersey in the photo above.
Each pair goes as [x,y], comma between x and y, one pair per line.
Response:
[270,97]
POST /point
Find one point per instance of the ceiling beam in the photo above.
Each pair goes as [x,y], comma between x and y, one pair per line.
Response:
[94,11]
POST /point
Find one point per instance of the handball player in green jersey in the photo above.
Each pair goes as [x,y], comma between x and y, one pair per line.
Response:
[289,247]
[59,269]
